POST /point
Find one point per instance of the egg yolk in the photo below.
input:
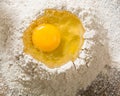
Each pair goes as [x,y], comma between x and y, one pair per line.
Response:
[46,37]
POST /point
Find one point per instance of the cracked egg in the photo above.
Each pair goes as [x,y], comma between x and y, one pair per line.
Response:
[54,38]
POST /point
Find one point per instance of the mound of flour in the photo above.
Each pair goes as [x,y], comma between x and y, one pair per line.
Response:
[25,76]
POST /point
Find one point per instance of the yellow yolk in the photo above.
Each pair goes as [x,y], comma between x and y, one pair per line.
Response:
[46,37]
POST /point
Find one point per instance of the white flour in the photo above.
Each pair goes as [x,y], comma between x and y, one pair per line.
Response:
[110,14]
[23,75]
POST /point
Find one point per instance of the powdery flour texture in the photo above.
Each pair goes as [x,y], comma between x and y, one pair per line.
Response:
[22,75]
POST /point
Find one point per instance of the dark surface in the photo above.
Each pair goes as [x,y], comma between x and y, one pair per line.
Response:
[106,84]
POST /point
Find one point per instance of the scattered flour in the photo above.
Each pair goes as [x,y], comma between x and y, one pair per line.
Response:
[110,15]
[25,76]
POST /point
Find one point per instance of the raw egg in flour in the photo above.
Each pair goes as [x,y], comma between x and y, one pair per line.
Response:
[54,38]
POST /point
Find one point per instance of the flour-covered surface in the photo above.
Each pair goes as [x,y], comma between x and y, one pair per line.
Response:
[100,15]
[106,84]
